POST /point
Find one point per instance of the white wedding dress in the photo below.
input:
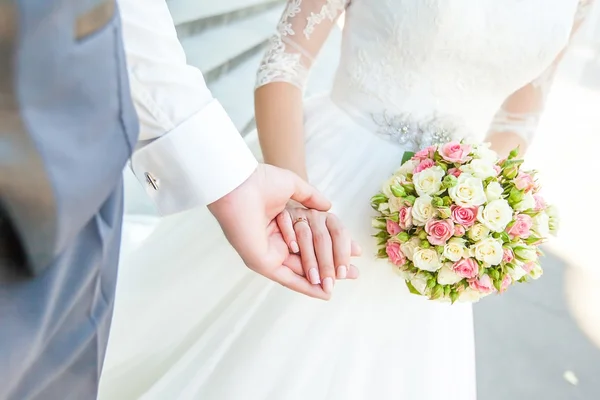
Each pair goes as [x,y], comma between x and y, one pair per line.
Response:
[191,322]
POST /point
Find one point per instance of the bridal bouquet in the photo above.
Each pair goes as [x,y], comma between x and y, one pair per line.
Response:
[460,224]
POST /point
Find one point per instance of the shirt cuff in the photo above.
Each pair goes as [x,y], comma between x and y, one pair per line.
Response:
[195,164]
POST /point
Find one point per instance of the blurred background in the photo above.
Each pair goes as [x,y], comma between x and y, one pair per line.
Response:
[539,341]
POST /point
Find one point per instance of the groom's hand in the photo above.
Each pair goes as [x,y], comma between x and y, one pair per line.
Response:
[247,216]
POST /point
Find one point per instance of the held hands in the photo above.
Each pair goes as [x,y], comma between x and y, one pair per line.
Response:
[324,245]
[249,218]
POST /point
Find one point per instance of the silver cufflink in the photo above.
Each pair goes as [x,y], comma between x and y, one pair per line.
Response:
[152,181]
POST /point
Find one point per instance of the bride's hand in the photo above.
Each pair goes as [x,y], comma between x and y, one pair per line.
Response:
[324,245]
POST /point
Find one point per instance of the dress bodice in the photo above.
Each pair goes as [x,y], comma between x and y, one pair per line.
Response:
[456,58]
[408,61]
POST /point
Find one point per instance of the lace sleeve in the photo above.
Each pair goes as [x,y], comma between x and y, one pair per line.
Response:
[302,30]
[521,112]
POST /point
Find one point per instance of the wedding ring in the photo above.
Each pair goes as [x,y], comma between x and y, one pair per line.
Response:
[299,219]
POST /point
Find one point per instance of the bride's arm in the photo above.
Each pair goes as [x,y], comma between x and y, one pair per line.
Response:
[301,32]
[516,122]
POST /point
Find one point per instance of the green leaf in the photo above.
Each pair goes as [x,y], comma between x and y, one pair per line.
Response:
[382,235]
[382,253]
[407,156]
[411,288]
[431,283]
[437,292]
[453,296]
[398,191]
[494,273]
[447,290]
[497,284]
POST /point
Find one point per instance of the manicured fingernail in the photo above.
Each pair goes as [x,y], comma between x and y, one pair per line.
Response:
[328,285]
[342,272]
[313,276]
[294,247]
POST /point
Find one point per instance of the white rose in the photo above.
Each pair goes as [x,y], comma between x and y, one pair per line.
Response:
[516,273]
[478,232]
[383,207]
[536,271]
[495,215]
[422,210]
[394,180]
[493,191]
[527,203]
[409,248]
[419,282]
[454,250]
[479,168]
[554,222]
[428,181]
[489,251]
[469,296]
[468,191]
[541,225]
[525,253]
[484,152]
[395,204]
[408,167]
[446,276]
[427,260]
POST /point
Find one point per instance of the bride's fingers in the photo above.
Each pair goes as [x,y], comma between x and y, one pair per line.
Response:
[307,252]
[286,226]
[291,280]
[342,246]
[356,250]
[323,249]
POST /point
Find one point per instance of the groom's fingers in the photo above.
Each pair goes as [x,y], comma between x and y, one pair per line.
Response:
[288,278]
[307,195]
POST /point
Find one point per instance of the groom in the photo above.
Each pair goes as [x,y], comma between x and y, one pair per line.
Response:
[67,129]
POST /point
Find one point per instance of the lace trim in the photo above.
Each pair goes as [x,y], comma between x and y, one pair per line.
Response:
[329,11]
[522,124]
[279,66]
[282,65]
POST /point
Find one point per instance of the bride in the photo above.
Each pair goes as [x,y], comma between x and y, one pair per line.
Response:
[190,325]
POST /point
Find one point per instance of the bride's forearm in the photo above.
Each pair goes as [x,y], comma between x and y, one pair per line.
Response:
[279,120]
[504,142]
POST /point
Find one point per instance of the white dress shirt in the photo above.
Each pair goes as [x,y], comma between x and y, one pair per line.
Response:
[189,152]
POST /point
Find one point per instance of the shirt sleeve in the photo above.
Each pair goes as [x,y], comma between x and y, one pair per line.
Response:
[189,151]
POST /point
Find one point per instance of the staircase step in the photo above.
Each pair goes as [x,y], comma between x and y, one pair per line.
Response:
[218,50]
[235,90]
[194,16]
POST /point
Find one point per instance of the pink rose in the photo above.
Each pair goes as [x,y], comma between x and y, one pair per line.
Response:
[405,218]
[466,267]
[459,230]
[482,285]
[439,231]
[455,152]
[521,227]
[525,182]
[395,254]
[528,266]
[454,171]
[506,281]
[508,255]
[423,165]
[463,215]
[540,203]
[425,153]
[392,228]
